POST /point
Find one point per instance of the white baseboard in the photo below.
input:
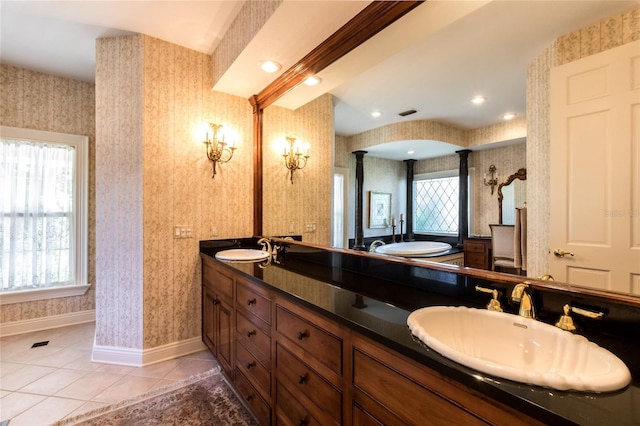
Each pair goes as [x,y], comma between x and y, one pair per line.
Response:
[46,323]
[144,357]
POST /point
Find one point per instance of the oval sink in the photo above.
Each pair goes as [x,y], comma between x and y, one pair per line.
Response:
[242,255]
[413,248]
[519,349]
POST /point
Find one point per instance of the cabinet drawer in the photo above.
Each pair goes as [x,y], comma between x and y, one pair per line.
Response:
[475,259]
[408,400]
[217,279]
[250,366]
[258,405]
[255,303]
[254,338]
[325,347]
[290,411]
[302,379]
[472,246]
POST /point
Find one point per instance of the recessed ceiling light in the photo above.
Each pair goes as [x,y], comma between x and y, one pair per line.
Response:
[509,116]
[478,100]
[269,66]
[376,114]
[411,152]
[312,80]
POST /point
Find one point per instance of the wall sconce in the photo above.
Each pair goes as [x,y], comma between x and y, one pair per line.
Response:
[293,158]
[217,149]
[493,178]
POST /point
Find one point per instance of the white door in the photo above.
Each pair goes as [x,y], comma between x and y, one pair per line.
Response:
[595,172]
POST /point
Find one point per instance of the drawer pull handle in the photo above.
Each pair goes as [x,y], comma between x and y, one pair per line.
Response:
[303,422]
[251,333]
[250,398]
[303,379]
[251,302]
[250,365]
[215,301]
[303,335]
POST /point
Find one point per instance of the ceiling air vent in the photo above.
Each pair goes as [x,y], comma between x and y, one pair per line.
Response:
[408,112]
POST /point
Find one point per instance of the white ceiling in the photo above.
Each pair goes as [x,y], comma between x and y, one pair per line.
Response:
[433,60]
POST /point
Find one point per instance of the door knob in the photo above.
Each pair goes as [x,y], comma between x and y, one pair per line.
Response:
[561,253]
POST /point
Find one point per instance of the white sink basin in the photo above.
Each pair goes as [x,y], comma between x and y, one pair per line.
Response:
[413,248]
[242,255]
[519,349]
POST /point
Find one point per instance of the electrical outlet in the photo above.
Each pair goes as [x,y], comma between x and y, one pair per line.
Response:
[310,227]
[214,231]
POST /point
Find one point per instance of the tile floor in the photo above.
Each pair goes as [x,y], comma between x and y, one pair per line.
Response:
[44,384]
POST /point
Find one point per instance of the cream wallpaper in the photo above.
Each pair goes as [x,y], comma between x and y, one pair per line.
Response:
[33,100]
[294,208]
[152,98]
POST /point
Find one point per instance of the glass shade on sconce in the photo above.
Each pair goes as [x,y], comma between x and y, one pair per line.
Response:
[218,149]
[294,159]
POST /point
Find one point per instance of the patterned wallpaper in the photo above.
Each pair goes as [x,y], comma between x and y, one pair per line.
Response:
[151,99]
[289,208]
[245,26]
[33,100]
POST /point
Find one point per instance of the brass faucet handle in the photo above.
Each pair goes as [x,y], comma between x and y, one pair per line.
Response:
[566,322]
[494,303]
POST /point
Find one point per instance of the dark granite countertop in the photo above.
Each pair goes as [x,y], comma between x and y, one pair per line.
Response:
[339,284]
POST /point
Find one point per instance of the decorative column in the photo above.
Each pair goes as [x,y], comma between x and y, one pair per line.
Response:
[409,192]
[359,240]
[463,201]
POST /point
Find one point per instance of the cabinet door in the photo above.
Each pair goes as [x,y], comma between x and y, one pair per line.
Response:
[208,319]
[225,335]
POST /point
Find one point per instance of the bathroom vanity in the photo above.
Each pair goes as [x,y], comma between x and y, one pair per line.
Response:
[319,336]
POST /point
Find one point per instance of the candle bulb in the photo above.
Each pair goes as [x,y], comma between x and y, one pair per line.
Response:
[393,221]
[401,217]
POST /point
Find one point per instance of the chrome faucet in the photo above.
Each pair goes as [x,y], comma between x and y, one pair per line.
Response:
[520,294]
[375,244]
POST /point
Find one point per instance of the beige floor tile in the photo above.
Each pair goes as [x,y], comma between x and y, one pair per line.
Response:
[23,376]
[125,388]
[16,402]
[46,412]
[63,357]
[84,364]
[162,383]
[85,408]
[33,355]
[158,370]
[188,367]
[204,355]
[115,369]
[52,383]
[90,385]
[9,367]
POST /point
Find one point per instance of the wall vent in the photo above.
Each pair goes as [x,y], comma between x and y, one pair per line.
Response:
[408,112]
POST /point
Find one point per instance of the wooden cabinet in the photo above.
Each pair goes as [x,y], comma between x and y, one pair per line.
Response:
[309,365]
[419,396]
[291,365]
[217,315]
[253,347]
[477,253]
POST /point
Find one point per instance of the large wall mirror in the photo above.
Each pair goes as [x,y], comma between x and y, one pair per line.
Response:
[305,206]
[512,194]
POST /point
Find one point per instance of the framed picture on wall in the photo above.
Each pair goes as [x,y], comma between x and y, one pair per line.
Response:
[379,209]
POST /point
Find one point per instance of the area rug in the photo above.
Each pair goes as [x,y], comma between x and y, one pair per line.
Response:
[204,399]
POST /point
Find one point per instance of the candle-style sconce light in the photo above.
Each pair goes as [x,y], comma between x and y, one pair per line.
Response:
[218,149]
[294,158]
[493,178]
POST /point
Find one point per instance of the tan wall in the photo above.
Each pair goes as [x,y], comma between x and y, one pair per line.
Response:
[152,97]
[34,100]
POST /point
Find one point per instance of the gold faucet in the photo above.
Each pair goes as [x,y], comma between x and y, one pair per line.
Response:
[373,245]
[519,294]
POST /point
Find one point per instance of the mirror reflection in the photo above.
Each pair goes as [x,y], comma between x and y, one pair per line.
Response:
[512,195]
[338,122]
